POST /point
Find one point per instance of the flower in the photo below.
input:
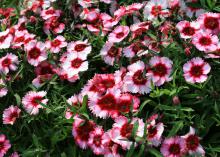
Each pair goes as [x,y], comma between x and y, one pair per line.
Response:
[173,147]
[160,70]
[110,53]
[138,28]
[74,64]
[5,39]
[36,53]
[135,80]
[5,145]
[81,48]
[122,129]
[134,49]
[187,29]
[3,89]
[53,24]
[32,101]
[204,41]
[192,143]
[196,70]
[55,45]
[15,154]
[75,101]
[118,34]
[81,131]
[156,8]
[11,114]
[8,62]
[50,12]
[210,22]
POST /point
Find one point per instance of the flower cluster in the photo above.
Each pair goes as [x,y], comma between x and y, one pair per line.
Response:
[114,61]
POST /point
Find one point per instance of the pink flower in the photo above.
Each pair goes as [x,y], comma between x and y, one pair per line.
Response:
[74,64]
[47,14]
[75,101]
[81,48]
[154,132]
[36,53]
[53,24]
[192,143]
[204,41]
[8,62]
[5,145]
[3,89]
[5,39]
[32,101]
[106,1]
[160,70]
[90,15]
[173,147]
[187,29]
[134,49]
[11,114]
[155,9]
[196,70]
[110,53]
[210,22]
[97,141]
[85,3]
[122,129]
[135,80]
[138,28]
[55,45]
[118,34]
[15,154]
[81,131]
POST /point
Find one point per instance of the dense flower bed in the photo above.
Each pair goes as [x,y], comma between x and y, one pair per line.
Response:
[111,77]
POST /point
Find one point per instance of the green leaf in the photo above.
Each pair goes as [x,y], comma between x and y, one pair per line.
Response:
[141,150]
[176,127]
[155,152]
[131,151]
[135,128]
[18,99]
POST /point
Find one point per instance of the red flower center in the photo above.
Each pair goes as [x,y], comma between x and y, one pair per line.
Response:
[46,70]
[152,131]
[80,47]
[34,53]
[1,145]
[124,105]
[97,140]
[108,83]
[19,39]
[76,63]
[51,11]
[205,41]
[174,149]
[56,43]
[211,23]
[136,47]
[36,100]
[107,102]
[196,71]
[126,130]
[6,62]
[156,10]
[84,130]
[160,70]
[139,78]
[192,142]
[120,35]
[13,115]
[2,38]
[113,52]
[188,31]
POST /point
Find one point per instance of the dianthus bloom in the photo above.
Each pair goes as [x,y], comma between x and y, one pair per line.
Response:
[160,70]
[173,147]
[8,62]
[11,114]
[196,70]
[57,44]
[187,29]
[5,39]
[118,34]
[192,143]
[5,145]
[32,101]
[204,41]
[3,89]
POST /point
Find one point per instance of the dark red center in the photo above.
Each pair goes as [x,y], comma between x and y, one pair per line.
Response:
[152,131]
[196,70]
[19,39]
[136,47]
[188,31]
[120,35]
[51,11]
[211,23]
[192,142]
[107,102]
[126,130]
[36,100]
[174,149]
[139,78]
[56,43]
[124,105]
[76,63]
[84,130]
[34,53]
[6,62]
[160,70]
[156,10]
[80,47]
[205,41]
[97,140]
[113,52]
